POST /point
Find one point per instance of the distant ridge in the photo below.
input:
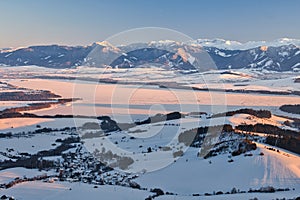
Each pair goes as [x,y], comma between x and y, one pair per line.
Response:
[278,55]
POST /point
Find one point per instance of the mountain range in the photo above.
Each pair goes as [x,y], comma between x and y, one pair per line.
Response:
[279,55]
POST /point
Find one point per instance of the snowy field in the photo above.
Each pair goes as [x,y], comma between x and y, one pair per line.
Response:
[18,172]
[18,125]
[73,191]
[61,191]
[31,144]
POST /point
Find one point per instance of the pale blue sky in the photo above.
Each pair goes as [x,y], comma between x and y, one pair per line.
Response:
[81,22]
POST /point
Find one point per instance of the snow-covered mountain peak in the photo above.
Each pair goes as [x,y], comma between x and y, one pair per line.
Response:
[10,49]
[218,43]
[163,42]
[105,43]
[235,45]
[107,46]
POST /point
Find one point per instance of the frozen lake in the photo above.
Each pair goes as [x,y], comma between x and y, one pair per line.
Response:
[118,99]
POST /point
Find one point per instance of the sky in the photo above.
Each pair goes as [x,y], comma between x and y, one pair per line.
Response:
[82,22]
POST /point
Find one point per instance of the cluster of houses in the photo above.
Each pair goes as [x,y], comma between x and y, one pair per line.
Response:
[81,166]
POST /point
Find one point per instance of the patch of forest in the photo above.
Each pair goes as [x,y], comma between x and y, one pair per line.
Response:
[283,138]
[268,92]
[294,109]
[41,95]
[195,136]
[160,118]
[256,113]
[34,106]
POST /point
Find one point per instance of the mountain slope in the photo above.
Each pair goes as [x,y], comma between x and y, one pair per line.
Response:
[52,56]
[283,58]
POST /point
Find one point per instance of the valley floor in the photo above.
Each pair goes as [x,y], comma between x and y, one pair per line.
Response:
[75,150]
